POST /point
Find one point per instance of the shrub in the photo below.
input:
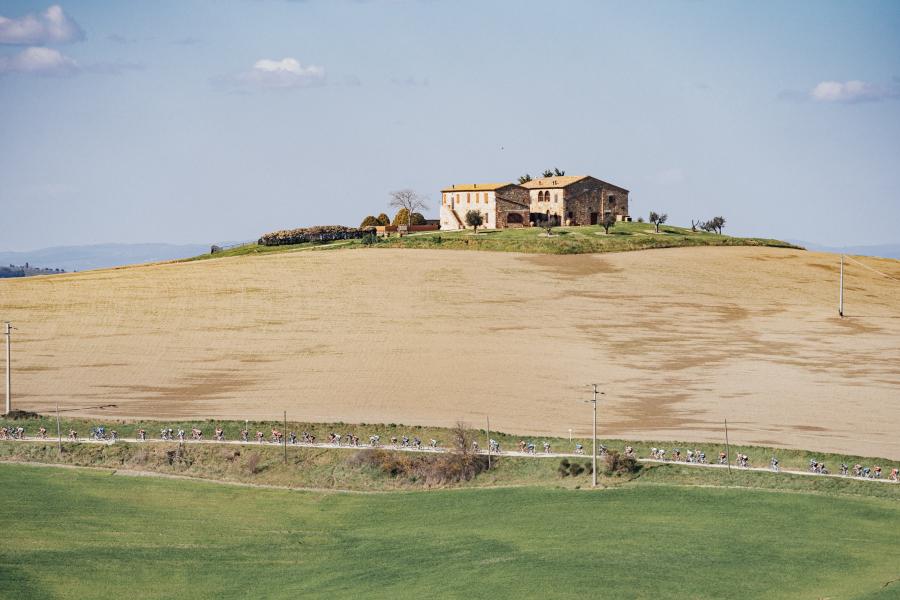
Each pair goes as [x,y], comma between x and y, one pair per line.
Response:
[383,219]
[567,469]
[253,463]
[430,469]
[401,218]
[619,464]
[369,221]
[319,233]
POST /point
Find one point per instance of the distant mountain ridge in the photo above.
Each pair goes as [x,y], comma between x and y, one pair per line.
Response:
[879,250]
[101,256]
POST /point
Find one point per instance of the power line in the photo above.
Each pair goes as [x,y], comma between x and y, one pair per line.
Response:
[865,266]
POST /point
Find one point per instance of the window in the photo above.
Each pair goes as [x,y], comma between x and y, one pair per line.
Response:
[468,198]
[611,200]
[443,198]
[556,197]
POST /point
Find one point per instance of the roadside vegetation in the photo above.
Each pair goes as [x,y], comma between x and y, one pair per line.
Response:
[384,469]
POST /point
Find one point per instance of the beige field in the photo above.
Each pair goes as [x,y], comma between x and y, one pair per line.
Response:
[679,339]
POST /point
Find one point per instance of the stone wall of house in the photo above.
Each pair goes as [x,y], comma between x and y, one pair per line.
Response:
[494,205]
[512,208]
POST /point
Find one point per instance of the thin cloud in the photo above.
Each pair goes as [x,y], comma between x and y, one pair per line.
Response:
[409,81]
[268,74]
[38,61]
[113,68]
[188,41]
[53,26]
[851,92]
[120,39]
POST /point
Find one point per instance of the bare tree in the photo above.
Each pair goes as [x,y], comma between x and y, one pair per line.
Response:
[658,219]
[609,220]
[717,224]
[410,200]
[695,224]
[474,219]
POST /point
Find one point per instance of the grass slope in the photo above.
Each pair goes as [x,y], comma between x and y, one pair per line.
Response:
[565,240]
[92,455]
[84,534]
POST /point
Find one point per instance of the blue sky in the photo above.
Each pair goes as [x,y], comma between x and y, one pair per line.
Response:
[207,121]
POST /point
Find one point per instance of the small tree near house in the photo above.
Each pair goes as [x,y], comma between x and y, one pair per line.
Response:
[524,178]
[383,219]
[658,219]
[474,219]
[407,200]
[609,220]
[369,221]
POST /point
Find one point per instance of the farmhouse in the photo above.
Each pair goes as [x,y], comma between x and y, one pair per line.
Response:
[502,205]
[557,200]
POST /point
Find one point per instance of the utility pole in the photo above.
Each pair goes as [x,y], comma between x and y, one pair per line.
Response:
[489,441]
[727,447]
[841,293]
[58,430]
[8,331]
[594,446]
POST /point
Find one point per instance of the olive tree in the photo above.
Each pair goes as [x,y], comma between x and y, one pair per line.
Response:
[658,219]
[609,220]
[474,219]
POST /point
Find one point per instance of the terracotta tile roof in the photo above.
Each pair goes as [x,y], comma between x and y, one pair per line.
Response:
[476,187]
[553,182]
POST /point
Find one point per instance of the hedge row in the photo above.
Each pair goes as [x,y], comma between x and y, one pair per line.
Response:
[319,233]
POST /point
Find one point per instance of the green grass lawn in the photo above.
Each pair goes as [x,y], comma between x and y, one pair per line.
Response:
[565,240]
[80,534]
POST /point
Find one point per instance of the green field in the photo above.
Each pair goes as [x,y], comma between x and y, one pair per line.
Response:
[565,240]
[79,534]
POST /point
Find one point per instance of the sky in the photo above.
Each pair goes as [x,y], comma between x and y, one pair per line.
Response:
[203,121]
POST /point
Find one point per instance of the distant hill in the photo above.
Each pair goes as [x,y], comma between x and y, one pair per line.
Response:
[100,256]
[881,250]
